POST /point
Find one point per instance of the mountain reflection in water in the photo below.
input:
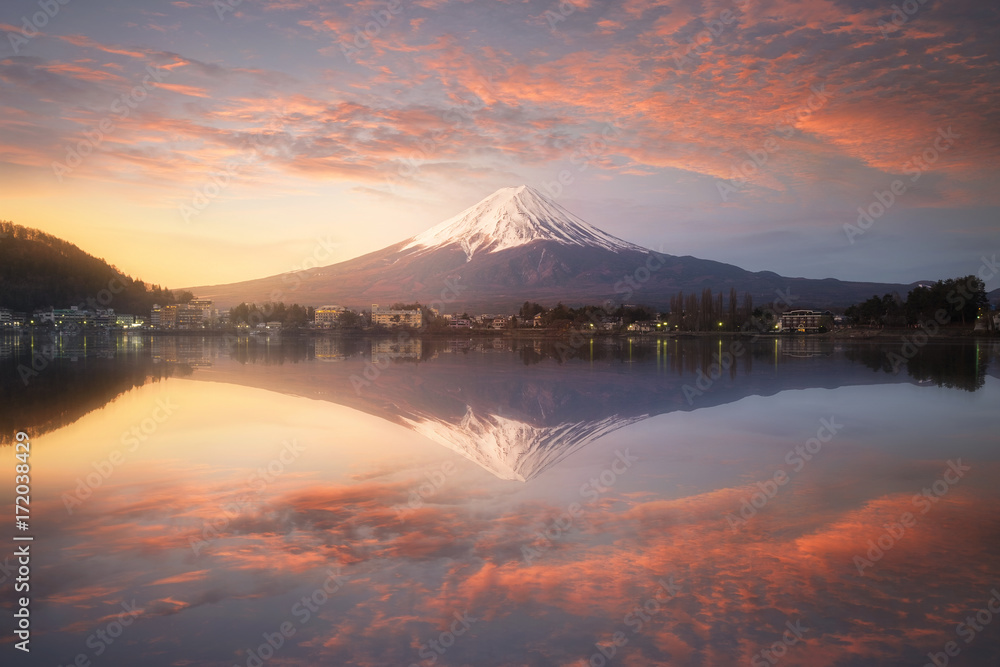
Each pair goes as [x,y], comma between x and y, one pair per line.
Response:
[591,481]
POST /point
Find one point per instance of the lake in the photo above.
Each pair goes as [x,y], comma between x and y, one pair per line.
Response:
[376,501]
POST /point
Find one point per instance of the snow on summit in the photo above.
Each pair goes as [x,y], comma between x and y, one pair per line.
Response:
[512,217]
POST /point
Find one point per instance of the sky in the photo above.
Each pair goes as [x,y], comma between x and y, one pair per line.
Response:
[200,142]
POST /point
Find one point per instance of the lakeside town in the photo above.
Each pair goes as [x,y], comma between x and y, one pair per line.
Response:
[707,314]
[199,314]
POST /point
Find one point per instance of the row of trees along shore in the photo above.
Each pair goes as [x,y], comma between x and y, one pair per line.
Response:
[962,300]
[688,312]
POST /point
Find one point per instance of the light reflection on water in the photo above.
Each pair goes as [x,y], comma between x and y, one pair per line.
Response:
[548,495]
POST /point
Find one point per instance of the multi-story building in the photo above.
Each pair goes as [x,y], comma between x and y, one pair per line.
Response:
[105,317]
[163,317]
[189,318]
[63,317]
[644,326]
[326,316]
[6,318]
[389,317]
[805,320]
[192,315]
[208,315]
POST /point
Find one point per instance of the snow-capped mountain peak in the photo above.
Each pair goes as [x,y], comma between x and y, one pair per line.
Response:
[511,217]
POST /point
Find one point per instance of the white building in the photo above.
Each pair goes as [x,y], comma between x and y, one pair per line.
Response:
[388,317]
[326,316]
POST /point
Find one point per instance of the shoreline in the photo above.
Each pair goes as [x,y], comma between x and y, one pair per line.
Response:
[840,335]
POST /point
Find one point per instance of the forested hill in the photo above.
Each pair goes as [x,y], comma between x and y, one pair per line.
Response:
[38,270]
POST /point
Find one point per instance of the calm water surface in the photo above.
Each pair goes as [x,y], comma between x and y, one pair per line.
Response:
[367,502]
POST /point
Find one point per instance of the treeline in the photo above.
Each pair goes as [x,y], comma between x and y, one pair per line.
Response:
[960,367]
[711,312]
[252,314]
[688,312]
[38,270]
[956,300]
[561,316]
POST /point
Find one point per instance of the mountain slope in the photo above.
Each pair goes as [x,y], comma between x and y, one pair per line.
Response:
[518,245]
[38,270]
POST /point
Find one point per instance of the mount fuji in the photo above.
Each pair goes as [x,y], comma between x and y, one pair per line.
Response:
[512,217]
[518,245]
